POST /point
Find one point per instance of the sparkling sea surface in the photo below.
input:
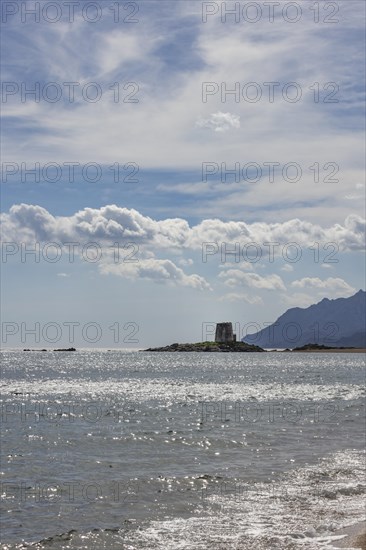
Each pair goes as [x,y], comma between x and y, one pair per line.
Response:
[130,450]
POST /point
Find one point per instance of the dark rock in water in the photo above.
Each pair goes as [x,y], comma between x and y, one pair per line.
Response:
[217,347]
[57,538]
[65,349]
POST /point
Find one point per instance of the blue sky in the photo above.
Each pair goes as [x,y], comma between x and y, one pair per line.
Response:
[169,128]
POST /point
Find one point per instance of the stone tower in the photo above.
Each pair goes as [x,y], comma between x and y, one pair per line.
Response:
[224,333]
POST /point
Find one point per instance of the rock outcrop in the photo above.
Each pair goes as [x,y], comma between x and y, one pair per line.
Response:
[236,347]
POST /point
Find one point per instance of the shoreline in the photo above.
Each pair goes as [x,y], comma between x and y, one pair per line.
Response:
[334,350]
[355,537]
[132,350]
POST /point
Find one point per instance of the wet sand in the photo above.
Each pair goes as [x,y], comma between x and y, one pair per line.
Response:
[356,537]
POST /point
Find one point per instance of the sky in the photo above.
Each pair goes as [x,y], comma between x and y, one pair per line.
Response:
[167,165]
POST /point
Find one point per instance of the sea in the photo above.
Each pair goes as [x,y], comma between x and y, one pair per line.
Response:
[146,450]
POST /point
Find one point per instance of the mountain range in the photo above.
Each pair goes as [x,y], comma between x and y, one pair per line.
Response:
[336,323]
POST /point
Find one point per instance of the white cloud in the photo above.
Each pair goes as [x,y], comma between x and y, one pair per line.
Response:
[117,48]
[186,261]
[242,265]
[350,236]
[170,54]
[171,100]
[239,297]
[287,267]
[159,271]
[235,278]
[115,223]
[158,242]
[219,122]
[333,285]
[298,299]
[360,192]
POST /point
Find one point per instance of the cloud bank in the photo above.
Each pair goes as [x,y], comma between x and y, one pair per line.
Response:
[158,246]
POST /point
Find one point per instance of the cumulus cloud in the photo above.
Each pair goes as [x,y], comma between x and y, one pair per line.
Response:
[108,223]
[107,52]
[186,261]
[238,297]
[158,240]
[219,122]
[160,271]
[334,285]
[236,277]
[115,223]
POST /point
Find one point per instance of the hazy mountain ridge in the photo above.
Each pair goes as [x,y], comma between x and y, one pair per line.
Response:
[339,322]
